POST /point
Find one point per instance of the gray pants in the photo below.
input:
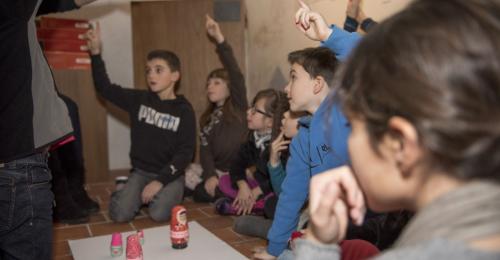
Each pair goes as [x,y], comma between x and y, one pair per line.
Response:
[126,203]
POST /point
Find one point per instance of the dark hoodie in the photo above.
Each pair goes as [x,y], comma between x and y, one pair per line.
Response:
[163,132]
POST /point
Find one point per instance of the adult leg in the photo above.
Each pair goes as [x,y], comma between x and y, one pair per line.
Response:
[71,157]
[66,210]
[26,209]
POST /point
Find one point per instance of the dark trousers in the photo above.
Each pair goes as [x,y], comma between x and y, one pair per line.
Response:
[66,162]
[68,172]
[26,209]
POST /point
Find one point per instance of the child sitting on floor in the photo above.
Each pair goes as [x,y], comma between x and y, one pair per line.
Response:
[247,195]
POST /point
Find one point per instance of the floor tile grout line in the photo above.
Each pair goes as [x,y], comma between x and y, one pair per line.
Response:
[107,219]
[133,226]
[206,214]
[89,230]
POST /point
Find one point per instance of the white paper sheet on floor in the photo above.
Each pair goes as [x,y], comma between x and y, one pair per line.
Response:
[157,246]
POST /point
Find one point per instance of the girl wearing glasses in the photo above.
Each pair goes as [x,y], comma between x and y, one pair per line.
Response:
[246,193]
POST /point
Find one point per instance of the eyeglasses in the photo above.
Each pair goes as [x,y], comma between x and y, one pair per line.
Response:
[254,110]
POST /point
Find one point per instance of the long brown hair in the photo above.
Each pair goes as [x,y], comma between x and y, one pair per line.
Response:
[229,111]
[436,64]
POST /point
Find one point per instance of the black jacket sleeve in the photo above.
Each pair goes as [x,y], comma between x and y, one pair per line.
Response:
[237,80]
[122,97]
[56,6]
[207,161]
[266,187]
[241,162]
[368,24]
[350,24]
[381,230]
[185,149]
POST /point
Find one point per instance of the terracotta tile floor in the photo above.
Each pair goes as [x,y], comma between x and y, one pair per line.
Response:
[100,224]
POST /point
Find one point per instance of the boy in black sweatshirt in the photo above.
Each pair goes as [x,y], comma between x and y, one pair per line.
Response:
[163,133]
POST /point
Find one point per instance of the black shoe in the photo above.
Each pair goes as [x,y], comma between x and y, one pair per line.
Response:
[70,213]
[86,203]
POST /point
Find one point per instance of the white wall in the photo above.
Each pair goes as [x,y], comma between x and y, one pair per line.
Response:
[271,36]
[115,21]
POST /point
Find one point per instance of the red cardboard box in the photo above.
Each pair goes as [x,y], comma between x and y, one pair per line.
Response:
[68,60]
[48,22]
[61,34]
[64,45]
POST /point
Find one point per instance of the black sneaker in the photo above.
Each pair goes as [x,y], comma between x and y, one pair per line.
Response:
[70,213]
[86,203]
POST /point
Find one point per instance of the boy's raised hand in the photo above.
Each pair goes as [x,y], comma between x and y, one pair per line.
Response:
[312,24]
[93,37]
[335,196]
[353,8]
[213,30]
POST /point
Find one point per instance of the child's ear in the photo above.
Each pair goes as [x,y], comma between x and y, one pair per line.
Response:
[404,143]
[176,75]
[319,85]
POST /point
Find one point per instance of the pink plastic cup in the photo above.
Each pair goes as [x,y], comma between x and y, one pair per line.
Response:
[116,244]
[140,234]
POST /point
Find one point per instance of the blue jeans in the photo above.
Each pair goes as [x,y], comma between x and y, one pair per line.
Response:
[26,209]
[127,202]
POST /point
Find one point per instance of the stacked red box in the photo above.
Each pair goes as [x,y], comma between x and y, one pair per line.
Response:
[63,42]
[47,22]
[68,60]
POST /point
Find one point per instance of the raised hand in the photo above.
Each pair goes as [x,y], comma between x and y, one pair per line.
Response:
[277,146]
[213,30]
[93,37]
[312,24]
[335,196]
[361,15]
[353,8]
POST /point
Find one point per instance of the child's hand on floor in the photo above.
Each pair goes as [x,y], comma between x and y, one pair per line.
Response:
[244,200]
[150,191]
[210,185]
[93,37]
[278,145]
[312,24]
[213,30]
[334,197]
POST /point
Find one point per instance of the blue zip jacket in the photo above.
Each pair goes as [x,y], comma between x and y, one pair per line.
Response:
[311,152]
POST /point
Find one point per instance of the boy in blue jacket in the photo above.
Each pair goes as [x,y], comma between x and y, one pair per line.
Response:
[311,74]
